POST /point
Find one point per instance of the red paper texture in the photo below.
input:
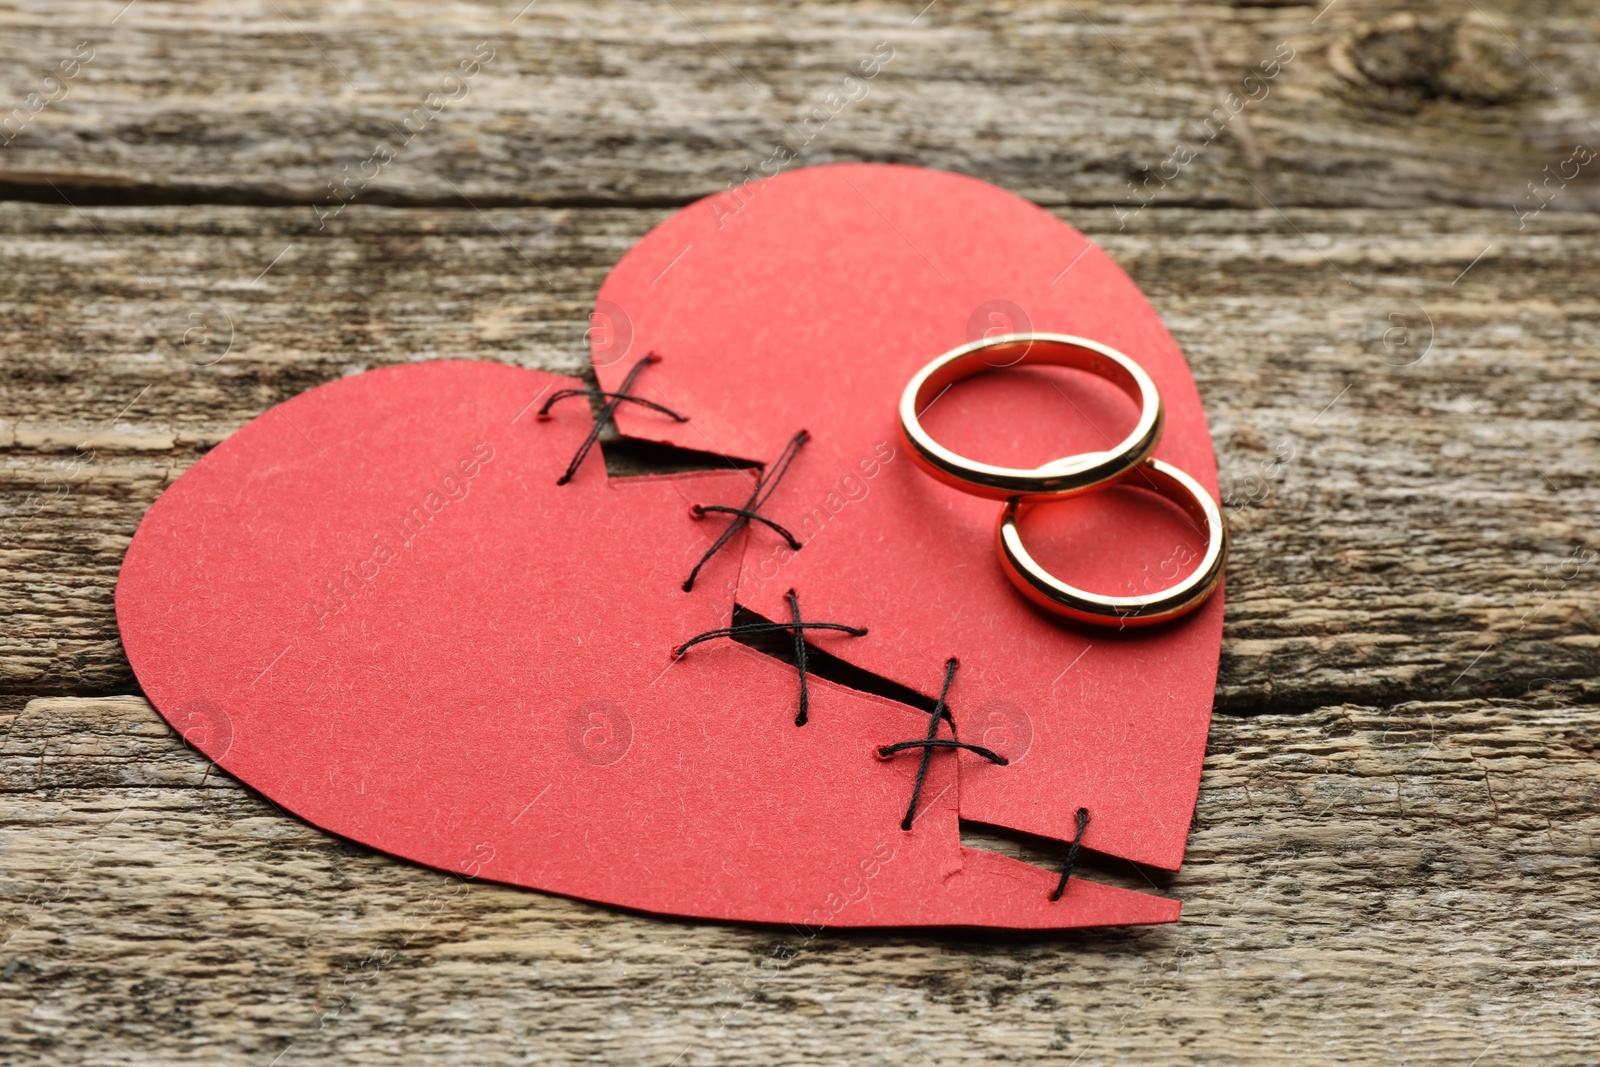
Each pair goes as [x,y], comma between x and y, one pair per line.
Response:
[375,605]
[809,301]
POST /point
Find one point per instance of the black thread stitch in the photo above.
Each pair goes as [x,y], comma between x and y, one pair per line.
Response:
[700,511]
[1072,854]
[742,515]
[613,401]
[933,741]
[798,626]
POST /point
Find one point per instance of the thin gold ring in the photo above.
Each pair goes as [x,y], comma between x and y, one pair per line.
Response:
[1060,598]
[1058,478]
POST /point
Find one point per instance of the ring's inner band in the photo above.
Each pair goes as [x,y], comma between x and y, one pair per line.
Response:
[1027,353]
[1166,487]
[1169,488]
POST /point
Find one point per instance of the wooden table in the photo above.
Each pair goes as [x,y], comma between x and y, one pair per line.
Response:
[1397,336]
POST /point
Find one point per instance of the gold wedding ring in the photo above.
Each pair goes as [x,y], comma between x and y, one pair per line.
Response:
[1060,598]
[1061,477]
[1129,463]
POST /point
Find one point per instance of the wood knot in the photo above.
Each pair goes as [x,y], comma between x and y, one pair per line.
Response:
[1413,60]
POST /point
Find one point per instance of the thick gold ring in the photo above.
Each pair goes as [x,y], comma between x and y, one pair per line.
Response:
[1056,596]
[1058,478]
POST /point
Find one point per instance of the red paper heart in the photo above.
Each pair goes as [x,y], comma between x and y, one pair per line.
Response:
[809,301]
[375,605]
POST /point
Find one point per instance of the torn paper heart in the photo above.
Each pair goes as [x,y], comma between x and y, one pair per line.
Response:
[376,605]
[813,306]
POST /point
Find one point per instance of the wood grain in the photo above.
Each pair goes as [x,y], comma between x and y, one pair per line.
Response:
[646,102]
[1412,884]
[1400,532]
[1383,269]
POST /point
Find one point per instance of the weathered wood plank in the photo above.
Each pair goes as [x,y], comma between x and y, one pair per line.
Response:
[1063,102]
[1415,884]
[1394,879]
[1401,532]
